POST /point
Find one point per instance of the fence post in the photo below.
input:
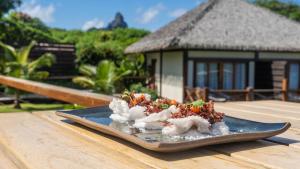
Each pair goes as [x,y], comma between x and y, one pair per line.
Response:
[284,90]
[206,94]
[249,94]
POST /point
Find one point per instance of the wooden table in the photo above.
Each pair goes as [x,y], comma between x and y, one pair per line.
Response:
[42,140]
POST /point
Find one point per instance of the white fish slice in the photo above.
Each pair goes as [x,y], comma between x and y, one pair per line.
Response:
[181,125]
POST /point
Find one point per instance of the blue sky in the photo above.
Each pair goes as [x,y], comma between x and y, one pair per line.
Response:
[83,14]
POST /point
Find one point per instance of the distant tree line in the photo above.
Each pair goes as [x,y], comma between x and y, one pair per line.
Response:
[290,9]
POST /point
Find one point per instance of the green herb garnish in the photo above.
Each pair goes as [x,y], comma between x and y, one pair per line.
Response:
[164,106]
[199,103]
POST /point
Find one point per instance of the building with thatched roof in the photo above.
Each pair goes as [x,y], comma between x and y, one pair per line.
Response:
[223,44]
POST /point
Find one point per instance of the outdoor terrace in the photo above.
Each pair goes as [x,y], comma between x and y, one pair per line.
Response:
[42,140]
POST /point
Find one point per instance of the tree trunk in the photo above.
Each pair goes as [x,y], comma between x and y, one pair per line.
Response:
[17,104]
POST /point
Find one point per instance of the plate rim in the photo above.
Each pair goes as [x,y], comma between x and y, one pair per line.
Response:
[172,147]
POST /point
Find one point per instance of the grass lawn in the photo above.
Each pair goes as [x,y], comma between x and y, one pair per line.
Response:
[29,107]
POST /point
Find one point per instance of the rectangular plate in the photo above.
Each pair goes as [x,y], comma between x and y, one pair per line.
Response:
[240,130]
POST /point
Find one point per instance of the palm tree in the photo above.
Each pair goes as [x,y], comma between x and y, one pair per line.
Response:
[17,64]
[102,78]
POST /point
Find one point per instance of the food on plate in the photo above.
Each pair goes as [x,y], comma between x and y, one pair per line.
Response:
[167,115]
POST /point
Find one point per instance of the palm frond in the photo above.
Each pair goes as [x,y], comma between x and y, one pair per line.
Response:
[24,52]
[45,60]
[122,74]
[9,51]
[39,75]
[88,70]
[106,70]
[84,82]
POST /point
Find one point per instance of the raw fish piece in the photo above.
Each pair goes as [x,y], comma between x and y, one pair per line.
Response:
[136,112]
[161,116]
[118,118]
[181,125]
[122,113]
[219,128]
[149,125]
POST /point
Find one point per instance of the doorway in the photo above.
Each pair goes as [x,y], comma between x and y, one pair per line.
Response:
[263,75]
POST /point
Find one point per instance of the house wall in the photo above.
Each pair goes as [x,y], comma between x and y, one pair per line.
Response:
[278,56]
[221,54]
[172,75]
[149,57]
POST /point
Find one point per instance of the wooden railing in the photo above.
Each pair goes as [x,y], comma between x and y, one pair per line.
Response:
[192,94]
[83,98]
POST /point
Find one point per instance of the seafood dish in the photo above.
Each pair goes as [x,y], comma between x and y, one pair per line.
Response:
[167,116]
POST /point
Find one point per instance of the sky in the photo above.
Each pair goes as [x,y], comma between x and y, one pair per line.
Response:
[84,14]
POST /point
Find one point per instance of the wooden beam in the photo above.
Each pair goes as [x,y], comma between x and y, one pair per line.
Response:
[83,98]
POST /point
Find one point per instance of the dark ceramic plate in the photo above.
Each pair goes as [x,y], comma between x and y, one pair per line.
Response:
[240,130]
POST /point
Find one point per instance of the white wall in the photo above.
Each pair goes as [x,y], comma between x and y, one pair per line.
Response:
[172,75]
[221,54]
[278,55]
[156,56]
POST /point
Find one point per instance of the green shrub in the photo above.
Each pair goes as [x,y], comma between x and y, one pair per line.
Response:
[139,88]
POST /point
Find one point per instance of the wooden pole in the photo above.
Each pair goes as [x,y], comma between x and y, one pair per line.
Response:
[249,94]
[284,90]
[206,94]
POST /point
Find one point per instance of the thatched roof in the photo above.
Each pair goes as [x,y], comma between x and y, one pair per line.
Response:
[224,25]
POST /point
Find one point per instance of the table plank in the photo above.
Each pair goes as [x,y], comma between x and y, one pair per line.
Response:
[290,137]
[265,153]
[295,107]
[198,158]
[278,113]
[5,162]
[279,110]
[256,115]
[42,145]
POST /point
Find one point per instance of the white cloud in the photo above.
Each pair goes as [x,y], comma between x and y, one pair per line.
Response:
[177,12]
[151,13]
[94,23]
[44,13]
[198,2]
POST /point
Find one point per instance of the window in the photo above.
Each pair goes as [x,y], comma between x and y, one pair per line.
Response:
[220,75]
[201,75]
[213,75]
[240,75]
[227,76]
[294,76]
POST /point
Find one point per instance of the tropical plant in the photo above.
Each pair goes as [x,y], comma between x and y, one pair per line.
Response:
[134,63]
[104,78]
[17,64]
[6,5]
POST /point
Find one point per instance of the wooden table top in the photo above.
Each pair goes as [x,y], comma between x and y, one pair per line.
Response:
[42,140]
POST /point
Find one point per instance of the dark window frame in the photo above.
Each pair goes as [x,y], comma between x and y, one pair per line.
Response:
[288,72]
[220,66]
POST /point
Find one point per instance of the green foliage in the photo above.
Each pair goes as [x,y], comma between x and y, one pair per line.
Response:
[103,78]
[19,33]
[6,5]
[135,64]
[64,36]
[17,64]
[288,9]
[28,107]
[97,45]
[24,18]
[139,88]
